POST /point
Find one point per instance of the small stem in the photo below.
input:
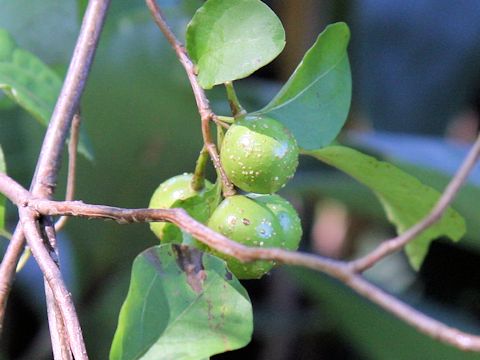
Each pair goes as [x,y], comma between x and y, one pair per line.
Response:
[206,113]
[72,166]
[198,181]
[226,119]
[235,106]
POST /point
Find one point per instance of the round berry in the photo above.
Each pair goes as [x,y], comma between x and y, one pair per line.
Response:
[167,194]
[259,154]
[256,220]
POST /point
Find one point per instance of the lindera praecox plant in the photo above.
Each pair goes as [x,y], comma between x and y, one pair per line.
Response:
[185,300]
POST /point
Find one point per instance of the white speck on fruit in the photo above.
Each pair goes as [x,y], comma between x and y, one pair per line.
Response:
[281,151]
[178,194]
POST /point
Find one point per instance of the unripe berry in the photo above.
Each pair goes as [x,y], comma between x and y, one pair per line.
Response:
[174,189]
[287,217]
[259,154]
[256,220]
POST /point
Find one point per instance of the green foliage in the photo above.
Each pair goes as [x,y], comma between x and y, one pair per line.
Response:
[465,201]
[30,83]
[405,199]
[182,304]
[314,102]
[230,39]
[3,169]
[27,80]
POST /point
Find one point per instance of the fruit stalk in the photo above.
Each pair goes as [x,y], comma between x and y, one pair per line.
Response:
[235,106]
[198,180]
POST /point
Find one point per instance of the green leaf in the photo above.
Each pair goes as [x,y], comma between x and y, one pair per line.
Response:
[182,304]
[30,83]
[6,103]
[405,199]
[376,334]
[230,39]
[315,101]
[3,169]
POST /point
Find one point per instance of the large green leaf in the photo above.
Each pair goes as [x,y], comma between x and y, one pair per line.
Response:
[314,102]
[3,169]
[405,199]
[182,304]
[230,39]
[378,335]
[30,83]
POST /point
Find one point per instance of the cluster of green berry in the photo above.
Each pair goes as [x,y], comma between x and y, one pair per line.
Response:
[259,155]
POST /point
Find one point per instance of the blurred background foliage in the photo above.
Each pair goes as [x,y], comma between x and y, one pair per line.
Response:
[415,66]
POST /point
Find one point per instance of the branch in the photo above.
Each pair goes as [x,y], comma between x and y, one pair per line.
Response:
[203,105]
[44,181]
[339,270]
[72,166]
[52,274]
[390,246]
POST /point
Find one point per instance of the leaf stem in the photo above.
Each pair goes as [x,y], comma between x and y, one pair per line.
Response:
[226,119]
[198,180]
[235,106]
[72,166]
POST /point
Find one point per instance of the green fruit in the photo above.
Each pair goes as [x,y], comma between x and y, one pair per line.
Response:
[287,217]
[177,192]
[251,221]
[259,154]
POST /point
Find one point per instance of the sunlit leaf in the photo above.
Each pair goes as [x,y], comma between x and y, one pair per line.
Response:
[315,101]
[405,199]
[230,39]
[182,304]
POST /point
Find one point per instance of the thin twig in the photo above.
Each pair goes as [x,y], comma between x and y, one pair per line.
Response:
[72,166]
[70,188]
[44,181]
[390,246]
[52,274]
[8,269]
[203,105]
